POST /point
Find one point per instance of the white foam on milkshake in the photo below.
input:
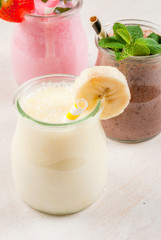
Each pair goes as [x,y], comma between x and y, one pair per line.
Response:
[50,102]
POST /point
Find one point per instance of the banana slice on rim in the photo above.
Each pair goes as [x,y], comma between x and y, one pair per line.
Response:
[103,82]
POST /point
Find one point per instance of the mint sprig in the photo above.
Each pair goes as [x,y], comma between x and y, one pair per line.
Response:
[59,10]
[129,41]
[0,4]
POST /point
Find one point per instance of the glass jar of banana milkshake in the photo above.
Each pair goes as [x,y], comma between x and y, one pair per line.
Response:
[58,167]
[58,155]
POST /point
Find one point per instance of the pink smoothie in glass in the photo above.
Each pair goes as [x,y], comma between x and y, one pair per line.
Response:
[49,44]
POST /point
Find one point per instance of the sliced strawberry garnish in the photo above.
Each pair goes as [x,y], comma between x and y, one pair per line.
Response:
[13,10]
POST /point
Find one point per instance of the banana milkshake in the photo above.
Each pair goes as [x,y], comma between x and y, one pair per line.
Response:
[60,167]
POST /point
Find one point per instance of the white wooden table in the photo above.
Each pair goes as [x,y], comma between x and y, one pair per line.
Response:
[130,206]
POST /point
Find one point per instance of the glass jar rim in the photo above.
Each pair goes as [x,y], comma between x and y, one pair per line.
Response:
[140,22]
[57,16]
[29,83]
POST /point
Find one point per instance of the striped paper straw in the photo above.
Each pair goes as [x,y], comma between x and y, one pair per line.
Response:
[96,24]
[50,6]
[78,108]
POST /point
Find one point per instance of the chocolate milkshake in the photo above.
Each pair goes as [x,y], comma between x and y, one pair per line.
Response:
[141,120]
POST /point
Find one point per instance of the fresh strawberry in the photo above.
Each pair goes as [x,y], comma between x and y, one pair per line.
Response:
[13,10]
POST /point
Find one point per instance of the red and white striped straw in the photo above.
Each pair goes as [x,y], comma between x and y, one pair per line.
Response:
[50,6]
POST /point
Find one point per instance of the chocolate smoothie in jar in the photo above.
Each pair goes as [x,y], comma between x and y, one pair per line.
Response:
[141,120]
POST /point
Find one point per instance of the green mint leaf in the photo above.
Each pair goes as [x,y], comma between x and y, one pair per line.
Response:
[122,55]
[117,26]
[155,36]
[0,4]
[118,56]
[123,35]
[44,1]
[113,37]
[127,52]
[153,46]
[110,42]
[59,10]
[135,31]
[134,49]
[137,49]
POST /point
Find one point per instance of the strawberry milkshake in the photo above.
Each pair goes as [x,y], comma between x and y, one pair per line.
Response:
[46,44]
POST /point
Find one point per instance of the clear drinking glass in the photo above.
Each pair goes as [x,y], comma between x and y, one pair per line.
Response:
[44,45]
[141,120]
[58,168]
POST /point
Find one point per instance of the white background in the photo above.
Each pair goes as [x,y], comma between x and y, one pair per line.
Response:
[130,206]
